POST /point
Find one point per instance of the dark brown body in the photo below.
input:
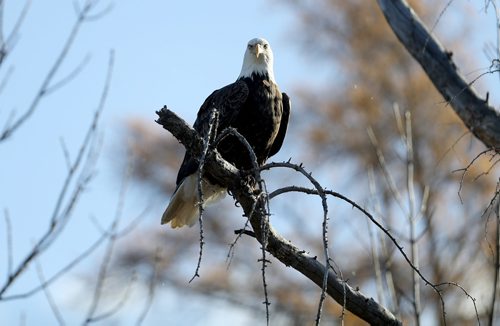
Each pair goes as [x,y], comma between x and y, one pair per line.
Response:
[257,109]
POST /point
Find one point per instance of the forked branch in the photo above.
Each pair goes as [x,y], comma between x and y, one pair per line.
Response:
[282,249]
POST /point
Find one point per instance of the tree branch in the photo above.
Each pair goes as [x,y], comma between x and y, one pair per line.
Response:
[255,209]
[480,118]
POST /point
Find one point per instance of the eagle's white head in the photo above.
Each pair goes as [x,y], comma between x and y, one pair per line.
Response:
[258,59]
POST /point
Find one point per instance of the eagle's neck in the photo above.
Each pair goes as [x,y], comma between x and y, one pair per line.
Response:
[257,77]
[251,69]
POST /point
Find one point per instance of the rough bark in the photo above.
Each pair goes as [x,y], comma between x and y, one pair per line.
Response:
[357,303]
[480,118]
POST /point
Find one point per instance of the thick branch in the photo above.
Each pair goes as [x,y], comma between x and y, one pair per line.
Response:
[357,303]
[215,164]
[480,118]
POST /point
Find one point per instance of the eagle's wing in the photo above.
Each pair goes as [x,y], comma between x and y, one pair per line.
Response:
[228,101]
[278,141]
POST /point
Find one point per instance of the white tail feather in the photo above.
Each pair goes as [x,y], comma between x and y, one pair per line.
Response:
[183,207]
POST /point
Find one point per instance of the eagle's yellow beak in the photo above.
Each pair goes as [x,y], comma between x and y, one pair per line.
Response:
[258,50]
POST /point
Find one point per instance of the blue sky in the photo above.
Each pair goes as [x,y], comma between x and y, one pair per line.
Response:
[166,52]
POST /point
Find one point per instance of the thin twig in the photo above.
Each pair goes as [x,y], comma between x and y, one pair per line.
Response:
[322,193]
[260,198]
[81,257]
[389,179]
[497,24]
[60,273]
[264,242]
[367,214]
[8,236]
[441,13]
[466,169]
[48,295]
[151,289]
[472,299]
[206,144]
[2,44]
[239,234]
[8,44]
[42,91]
[373,243]
[5,78]
[232,247]
[98,15]
[58,220]
[61,214]
[408,140]
[103,270]
[65,151]
[489,169]
[491,312]
[119,304]
[68,78]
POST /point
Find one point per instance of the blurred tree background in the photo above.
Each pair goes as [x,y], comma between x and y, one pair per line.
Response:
[376,129]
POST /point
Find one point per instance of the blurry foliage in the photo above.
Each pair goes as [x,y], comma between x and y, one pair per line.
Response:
[371,75]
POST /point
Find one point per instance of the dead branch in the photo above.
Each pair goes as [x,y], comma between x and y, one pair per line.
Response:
[480,118]
[282,249]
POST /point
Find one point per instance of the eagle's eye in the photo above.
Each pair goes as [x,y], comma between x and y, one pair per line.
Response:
[265,46]
[250,46]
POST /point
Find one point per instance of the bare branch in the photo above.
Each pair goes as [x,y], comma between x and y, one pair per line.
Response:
[6,45]
[261,197]
[63,209]
[65,151]
[226,174]
[321,192]
[466,169]
[491,312]
[67,79]
[388,176]
[6,78]
[45,86]
[151,290]
[8,236]
[374,221]
[407,139]
[60,273]
[119,304]
[100,14]
[81,257]
[206,143]
[48,295]
[108,254]
[481,119]
[2,45]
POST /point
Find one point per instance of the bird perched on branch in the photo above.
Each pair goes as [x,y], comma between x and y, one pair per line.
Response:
[256,108]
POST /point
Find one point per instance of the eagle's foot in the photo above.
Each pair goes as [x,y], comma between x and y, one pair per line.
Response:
[248,180]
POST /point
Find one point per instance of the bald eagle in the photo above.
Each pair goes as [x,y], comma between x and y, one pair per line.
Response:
[256,108]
